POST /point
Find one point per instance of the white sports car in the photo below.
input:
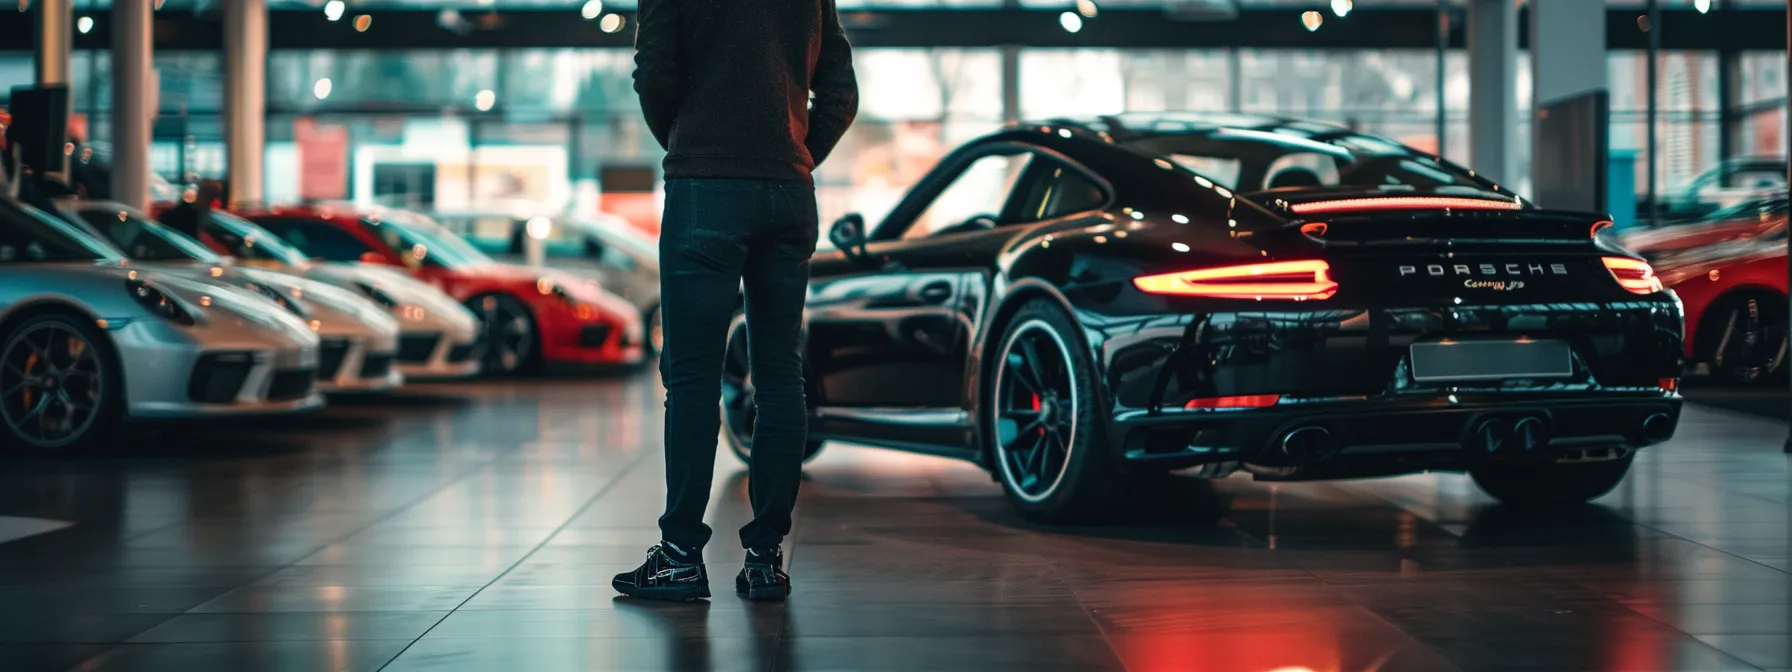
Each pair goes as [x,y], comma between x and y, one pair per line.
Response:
[87,341]
[359,339]
[439,338]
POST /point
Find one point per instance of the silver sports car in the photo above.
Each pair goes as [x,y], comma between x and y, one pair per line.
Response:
[438,337]
[87,341]
[359,339]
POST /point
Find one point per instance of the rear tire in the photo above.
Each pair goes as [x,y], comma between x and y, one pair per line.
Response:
[1745,339]
[61,389]
[1550,485]
[1042,421]
[738,408]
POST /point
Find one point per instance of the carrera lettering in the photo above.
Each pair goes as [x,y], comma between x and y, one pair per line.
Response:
[1495,285]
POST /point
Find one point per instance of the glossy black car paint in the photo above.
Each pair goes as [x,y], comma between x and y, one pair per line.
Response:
[898,340]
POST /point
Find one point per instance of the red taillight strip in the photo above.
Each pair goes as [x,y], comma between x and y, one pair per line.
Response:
[1633,274]
[1245,401]
[1403,203]
[1311,280]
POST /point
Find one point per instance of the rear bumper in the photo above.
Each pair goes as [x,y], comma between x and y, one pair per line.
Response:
[1369,437]
[1349,371]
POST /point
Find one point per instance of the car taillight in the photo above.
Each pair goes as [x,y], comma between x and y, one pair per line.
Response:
[1285,280]
[1633,274]
[1404,203]
[1245,401]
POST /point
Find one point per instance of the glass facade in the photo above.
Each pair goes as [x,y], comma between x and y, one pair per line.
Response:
[485,130]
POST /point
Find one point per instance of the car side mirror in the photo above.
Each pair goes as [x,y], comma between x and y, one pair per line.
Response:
[371,257]
[848,236]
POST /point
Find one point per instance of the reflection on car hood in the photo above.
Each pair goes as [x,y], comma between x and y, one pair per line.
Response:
[215,298]
[335,309]
[403,288]
[317,294]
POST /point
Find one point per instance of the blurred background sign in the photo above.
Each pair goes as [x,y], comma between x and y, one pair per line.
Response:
[323,159]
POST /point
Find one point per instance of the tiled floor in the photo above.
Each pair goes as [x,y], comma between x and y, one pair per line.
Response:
[475,527]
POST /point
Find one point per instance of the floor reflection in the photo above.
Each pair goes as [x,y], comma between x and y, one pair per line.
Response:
[475,527]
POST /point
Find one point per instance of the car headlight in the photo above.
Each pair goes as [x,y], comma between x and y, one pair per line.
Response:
[282,300]
[550,288]
[374,294]
[160,303]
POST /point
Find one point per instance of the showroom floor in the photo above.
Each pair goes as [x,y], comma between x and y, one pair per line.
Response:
[475,527]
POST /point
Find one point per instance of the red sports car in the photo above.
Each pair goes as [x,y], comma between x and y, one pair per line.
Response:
[531,316]
[1734,291]
[1745,220]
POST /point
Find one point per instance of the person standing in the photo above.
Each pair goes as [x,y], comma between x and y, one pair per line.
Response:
[746,98]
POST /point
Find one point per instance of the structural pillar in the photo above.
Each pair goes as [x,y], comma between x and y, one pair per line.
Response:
[1010,84]
[133,100]
[1493,88]
[55,34]
[245,97]
[1567,60]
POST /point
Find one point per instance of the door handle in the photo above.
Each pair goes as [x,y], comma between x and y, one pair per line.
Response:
[936,292]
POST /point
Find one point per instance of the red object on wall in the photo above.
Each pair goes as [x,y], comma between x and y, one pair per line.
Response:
[323,159]
[629,193]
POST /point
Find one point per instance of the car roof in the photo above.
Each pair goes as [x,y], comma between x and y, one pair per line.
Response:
[1121,127]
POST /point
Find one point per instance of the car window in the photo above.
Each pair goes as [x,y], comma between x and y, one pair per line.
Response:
[30,235]
[980,190]
[421,240]
[1755,179]
[318,239]
[1250,161]
[146,240]
[1056,190]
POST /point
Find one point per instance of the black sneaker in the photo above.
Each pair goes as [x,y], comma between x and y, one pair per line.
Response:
[668,574]
[763,577]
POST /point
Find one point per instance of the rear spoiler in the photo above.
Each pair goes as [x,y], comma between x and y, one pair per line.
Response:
[1431,227]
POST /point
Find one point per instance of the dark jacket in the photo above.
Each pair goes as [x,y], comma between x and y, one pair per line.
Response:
[725,85]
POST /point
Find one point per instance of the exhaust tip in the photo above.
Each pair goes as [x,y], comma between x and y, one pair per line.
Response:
[1306,442]
[1491,435]
[1657,427]
[1529,434]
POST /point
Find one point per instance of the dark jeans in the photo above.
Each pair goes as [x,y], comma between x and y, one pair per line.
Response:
[717,235]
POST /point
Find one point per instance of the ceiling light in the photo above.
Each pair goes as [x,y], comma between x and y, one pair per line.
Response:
[592,9]
[1702,5]
[1312,20]
[1342,7]
[334,8]
[363,22]
[1071,21]
[485,100]
[1087,8]
[322,88]
[84,24]
[611,23]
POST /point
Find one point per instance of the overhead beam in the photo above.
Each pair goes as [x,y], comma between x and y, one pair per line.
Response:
[1367,28]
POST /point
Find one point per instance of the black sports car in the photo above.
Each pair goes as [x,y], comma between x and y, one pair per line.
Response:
[1072,304]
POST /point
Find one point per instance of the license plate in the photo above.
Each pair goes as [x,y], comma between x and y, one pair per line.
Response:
[1491,360]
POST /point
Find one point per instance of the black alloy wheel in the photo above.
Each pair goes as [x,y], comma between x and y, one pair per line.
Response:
[739,409]
[1750,344]
[1042,424]
[58,387]
[512,345]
